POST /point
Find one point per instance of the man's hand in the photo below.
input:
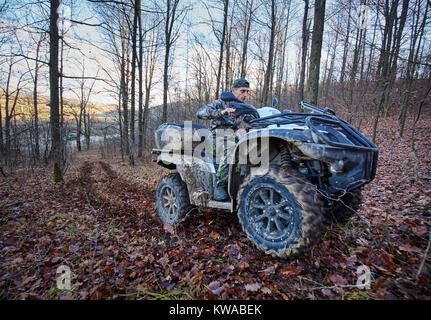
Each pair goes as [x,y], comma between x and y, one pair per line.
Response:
[230,112]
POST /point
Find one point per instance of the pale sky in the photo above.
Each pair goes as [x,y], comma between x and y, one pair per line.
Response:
[95,59]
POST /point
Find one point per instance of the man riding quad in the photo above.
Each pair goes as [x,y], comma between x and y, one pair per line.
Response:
[223,117]
[310,166]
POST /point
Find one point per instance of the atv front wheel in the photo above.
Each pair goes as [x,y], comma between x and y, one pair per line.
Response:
[281,212]
[172,199]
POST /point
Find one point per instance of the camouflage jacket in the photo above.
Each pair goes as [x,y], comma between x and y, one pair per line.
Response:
[212,111]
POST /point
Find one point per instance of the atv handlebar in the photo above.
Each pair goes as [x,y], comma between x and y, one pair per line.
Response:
[312,108]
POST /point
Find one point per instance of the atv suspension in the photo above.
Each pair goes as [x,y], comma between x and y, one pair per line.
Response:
[312,173]
[286,158]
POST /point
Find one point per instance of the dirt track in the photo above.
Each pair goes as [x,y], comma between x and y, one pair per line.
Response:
[102,223]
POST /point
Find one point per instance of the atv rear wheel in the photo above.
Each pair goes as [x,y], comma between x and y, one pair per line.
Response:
[172,199]
[281,212]
[343,210]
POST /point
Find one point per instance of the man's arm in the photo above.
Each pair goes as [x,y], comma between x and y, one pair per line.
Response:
[211,110]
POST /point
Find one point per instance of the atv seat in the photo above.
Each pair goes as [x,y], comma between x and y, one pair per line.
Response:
[176,132]
[180,131]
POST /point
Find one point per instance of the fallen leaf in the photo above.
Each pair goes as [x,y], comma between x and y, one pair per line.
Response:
[10,241]
[270,270]
[266,290]
[253,287]
[337,279]
[420,231]
[243,265]
[163,261]
[28,280]
[409,248]
[289,270]
[149,258]
[215,287]
[214,235]
[168,228]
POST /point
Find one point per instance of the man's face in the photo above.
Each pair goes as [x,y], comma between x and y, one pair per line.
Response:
[241,93]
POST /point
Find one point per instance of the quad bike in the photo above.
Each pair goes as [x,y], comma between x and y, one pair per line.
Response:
[317,164]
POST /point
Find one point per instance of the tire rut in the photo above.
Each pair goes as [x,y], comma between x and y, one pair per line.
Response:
[125,198]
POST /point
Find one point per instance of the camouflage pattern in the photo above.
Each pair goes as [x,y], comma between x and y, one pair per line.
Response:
[222,175]
[212,111]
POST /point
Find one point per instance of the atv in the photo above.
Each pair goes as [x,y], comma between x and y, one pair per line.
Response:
[316,167]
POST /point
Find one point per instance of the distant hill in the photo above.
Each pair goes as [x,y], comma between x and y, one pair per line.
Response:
[25,109]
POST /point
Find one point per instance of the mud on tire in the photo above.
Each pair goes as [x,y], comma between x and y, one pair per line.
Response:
[172,199]
[281,212]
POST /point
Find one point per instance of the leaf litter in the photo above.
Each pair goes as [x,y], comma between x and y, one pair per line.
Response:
[102,223]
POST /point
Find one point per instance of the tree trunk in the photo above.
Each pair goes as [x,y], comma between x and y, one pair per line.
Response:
[61,83]
[79,131]
[267,84]
[169,24]
[346,46]
[223,38]
[394,54]
[124,96]
[385,66]
[355,63]
[316,48]
[56,147]
[282,63]
[133,84]
[140,94]
[149,72]
[7,117]
[2,151]
[35,106]
[246,36]
[331,66]
[415,44]
[227,72]
[305,35]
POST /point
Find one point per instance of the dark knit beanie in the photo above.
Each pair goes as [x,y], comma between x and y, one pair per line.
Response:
[241,82]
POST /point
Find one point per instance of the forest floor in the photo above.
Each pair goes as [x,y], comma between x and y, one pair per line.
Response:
[102,223]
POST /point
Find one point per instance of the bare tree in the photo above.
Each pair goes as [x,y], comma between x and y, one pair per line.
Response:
[387,64]
[416,38]
[282,48]
[222,45]
[11,99]
[316,48]
[305,37]
[150,59]
[57,142]
[267,85]
[247,20]
[346,42]
[173,21]
[136,10]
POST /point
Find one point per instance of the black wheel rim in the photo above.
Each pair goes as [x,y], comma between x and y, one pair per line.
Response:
[169,203]
[271,214]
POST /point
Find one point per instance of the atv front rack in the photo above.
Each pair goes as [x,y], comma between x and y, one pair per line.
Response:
[329,130]
[315,121]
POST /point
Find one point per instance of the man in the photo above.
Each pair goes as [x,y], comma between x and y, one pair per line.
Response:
[223,117]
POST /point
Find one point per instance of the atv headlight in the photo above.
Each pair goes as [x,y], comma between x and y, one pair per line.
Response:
[336,167]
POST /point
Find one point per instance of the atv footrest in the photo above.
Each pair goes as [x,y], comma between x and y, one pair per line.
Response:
[225,205]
